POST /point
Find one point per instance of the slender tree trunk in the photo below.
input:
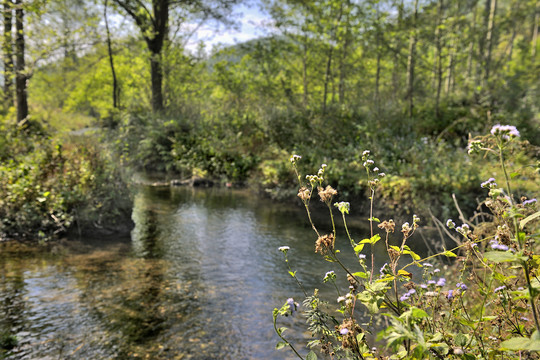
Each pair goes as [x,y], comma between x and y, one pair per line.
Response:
[305,72]
[411,61]
[327,77]
[343,64]
[115,92]
[396,66]
[378,70]
[534,41]
[8,53]
[453,44]
[450,75]
[439,72]
[489,39]
[472,31]
[21,77]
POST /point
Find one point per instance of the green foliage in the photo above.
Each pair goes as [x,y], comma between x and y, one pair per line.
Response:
[50,185]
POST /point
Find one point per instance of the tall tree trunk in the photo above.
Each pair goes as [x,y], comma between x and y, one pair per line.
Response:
[156,75]
[304,72]
[116,90]
[21,77]
[154,26]
[534,40]
[452,46]
[8,53]
[472,31]
[396,72]
[489,39]
[343,63]
[439,72]
[411,61]
[378,50]
[327,77]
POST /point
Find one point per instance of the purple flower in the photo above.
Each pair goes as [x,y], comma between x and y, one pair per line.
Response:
[499,289]
[383,269]
[450,294]
[292,305]
[489,183]
[462,286]
[344,331]
[441,282]
[495,245]
[529,202]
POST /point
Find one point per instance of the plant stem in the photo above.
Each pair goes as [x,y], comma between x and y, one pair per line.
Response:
[282,338]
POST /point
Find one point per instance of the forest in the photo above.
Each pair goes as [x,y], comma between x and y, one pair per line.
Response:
[409,80]
[409,109]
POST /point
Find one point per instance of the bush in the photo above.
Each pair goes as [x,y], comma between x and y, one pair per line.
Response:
[49,186]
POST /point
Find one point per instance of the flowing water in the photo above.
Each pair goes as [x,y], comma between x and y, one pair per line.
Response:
[197,279]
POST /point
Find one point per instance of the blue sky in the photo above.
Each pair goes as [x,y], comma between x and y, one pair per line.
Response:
[251,21]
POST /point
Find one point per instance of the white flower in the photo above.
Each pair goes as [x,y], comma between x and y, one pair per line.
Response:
[506,131]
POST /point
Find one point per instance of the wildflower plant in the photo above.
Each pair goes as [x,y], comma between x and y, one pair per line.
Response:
[482,304]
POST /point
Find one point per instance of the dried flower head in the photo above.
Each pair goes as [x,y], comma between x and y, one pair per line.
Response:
[389,226]
[324,244]
[304,194]
[327,194]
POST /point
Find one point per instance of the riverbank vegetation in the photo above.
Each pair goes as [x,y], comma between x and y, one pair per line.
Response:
[410,80]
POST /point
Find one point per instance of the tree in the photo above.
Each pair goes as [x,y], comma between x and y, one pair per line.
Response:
[411,60]
[154,25]
[20,67]
[152,19]
[8,53]
[116,89]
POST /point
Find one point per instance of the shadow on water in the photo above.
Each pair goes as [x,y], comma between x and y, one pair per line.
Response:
[198,279]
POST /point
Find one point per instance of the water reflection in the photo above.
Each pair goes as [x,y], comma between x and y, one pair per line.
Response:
[198,279]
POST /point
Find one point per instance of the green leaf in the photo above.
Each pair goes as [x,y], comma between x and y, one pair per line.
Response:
[461,340]
[448,253]
[523,222]
[281,345]
[292,273]
[407,250]
[358,248]
[281,330]
[361,274]
[373,240]
[417,313]
[311,356]
[519,343]
[500,256]
[514,174]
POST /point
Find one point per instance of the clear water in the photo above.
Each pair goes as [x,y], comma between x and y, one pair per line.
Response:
[197,279]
